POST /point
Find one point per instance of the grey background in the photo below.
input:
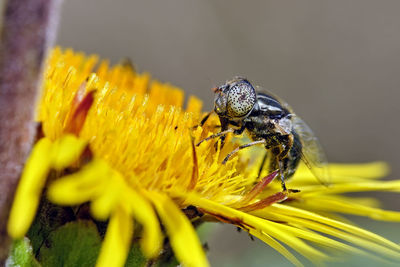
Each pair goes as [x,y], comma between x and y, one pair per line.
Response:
[336,62]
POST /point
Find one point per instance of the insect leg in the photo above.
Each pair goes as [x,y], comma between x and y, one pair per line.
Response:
[241,147]
[203,120]
[223,133]
[262,164]
[281,174]
[288,141]
[277,161]
[206,118]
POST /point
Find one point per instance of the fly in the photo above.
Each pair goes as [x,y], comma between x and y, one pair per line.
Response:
[268,121]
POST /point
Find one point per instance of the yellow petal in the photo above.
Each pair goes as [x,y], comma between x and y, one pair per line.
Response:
[117,241]
[194,104]
[335,204]
[291,211]
[81,186]
[337,233]
[66,150]
[183,237]
[317,238]
[144,213]
[354,186]
[246,221]
[102,206]
[343,173]
[29,189]
[371,170]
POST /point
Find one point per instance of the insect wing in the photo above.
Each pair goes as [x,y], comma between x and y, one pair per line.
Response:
[312,153]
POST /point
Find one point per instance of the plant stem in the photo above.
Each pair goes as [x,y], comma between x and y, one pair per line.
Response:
[28,29]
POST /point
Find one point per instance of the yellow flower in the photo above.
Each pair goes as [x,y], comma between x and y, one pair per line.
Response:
[130,144]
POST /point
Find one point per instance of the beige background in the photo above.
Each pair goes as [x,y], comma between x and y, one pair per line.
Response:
[336,62]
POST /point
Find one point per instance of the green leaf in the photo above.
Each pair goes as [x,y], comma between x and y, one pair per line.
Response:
[48,218]
[73,244]
[135,256]
[21,254]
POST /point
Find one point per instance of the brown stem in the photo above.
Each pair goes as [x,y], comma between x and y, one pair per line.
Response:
[28,29]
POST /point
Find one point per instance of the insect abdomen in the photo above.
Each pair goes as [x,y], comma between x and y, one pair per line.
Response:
[294,155]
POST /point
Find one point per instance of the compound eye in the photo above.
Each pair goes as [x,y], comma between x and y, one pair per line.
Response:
[241,99]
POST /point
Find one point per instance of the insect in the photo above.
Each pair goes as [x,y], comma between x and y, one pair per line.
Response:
[268,121]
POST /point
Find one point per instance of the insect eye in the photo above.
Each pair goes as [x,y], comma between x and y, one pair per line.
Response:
[241,99]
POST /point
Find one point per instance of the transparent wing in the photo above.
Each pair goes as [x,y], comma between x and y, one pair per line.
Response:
[312,153]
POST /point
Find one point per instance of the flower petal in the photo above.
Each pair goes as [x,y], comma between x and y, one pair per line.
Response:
[355,186]
[349,237]
[144,213]
[104,204]
[81,186]
[183,237]
[66,150]
[115,248]
[341,173]
[29,189]
[194,104]
[371,170]
[247,221]
[336,204]
[295,212]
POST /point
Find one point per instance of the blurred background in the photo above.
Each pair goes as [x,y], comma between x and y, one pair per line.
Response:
[336,62]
